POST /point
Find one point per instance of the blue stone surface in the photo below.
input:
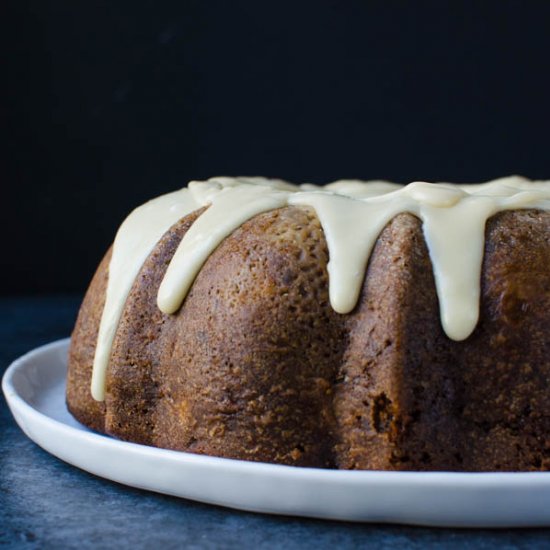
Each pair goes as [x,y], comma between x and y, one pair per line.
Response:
[45,503]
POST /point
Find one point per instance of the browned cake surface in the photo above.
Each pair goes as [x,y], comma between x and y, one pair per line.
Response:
[505,365]
[82,350]
[257,365]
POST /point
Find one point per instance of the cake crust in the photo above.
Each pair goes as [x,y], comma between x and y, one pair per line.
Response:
[256,364]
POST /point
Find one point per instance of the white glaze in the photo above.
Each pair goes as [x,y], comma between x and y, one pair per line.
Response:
[352,214]
[134,241]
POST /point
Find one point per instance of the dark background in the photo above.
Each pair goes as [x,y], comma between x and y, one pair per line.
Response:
[107,104]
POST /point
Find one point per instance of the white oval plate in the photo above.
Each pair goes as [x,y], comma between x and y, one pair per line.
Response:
[34,386]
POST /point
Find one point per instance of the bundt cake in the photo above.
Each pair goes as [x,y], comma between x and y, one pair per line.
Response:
[360,325]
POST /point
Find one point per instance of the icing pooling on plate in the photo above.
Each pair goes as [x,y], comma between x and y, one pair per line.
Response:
[352,214]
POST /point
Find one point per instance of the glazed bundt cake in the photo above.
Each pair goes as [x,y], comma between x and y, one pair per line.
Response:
[360,325]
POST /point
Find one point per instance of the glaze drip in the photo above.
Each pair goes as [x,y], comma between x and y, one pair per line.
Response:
[352,214]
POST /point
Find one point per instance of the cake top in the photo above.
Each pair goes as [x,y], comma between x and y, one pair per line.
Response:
[352,214]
